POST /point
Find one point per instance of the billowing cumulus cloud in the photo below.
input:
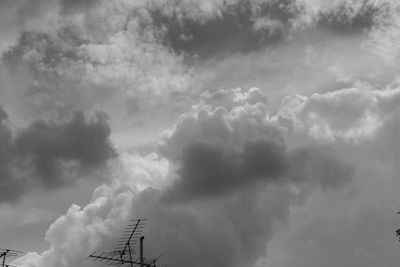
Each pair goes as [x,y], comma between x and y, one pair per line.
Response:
[50,155]
[350,114]
[282,115]
[219,151]
[232,222]
[231,181]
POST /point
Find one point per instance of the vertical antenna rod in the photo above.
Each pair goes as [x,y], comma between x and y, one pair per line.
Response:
[141,251]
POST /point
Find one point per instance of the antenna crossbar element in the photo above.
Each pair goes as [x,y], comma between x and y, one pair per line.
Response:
[124,249]
[112,260]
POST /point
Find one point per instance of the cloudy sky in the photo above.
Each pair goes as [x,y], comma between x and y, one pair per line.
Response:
[257,133]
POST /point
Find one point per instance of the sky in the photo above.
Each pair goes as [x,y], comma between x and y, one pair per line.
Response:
[257,133]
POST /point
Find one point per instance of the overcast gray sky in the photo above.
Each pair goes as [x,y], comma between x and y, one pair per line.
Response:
[249,132]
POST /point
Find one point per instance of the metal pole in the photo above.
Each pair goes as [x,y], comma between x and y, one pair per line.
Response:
[141,251]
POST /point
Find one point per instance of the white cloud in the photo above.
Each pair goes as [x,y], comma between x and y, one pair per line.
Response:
[153,172]
[348,114]
[80,231]
[232,127]
[229,98]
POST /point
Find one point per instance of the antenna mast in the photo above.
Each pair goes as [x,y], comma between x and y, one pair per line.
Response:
[123,253]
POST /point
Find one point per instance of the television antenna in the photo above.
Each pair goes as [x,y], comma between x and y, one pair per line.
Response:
[123,253]
[6,253]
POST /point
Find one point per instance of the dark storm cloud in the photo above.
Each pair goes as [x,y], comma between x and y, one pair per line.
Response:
[76,6]
[347,19]
[3,115]
[233,31]
[10,188]
[210,170]
[228,232]
[247,26]
[47,145]
[50,155]
[319,166]
[239,199]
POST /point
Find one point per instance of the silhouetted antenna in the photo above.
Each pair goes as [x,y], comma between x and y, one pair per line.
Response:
[122,254]
[6,253]
[131,235]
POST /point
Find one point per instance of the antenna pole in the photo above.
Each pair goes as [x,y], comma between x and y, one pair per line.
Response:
[141,251]
[4,257]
